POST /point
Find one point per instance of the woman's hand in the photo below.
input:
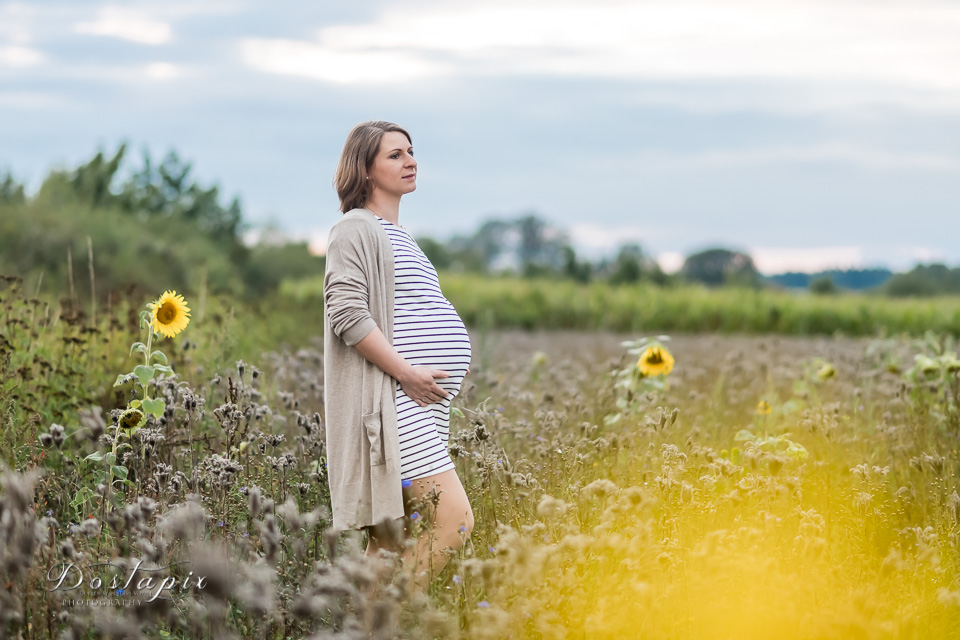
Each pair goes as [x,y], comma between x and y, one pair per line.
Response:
[420,387]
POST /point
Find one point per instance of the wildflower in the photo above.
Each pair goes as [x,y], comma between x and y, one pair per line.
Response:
[827,371]
[463,528]
[484,604]
[654,361]
[457,579]
[120,592]
[130,419]
[170,314]
[414,515]
[763,407]
[406,483]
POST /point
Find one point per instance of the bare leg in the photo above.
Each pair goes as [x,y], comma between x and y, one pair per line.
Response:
[452,523]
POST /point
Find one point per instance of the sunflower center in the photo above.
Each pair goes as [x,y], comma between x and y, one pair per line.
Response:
[655,358]
[167,313]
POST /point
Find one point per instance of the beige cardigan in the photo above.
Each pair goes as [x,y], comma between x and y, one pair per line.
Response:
[363,444]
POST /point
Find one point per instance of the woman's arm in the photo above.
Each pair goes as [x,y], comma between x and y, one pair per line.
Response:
[346,303]
[417,382]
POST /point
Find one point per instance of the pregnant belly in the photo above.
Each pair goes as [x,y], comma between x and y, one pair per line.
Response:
[437,341]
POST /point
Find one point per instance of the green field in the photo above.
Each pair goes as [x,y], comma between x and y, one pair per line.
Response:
[563,304]
[798,487]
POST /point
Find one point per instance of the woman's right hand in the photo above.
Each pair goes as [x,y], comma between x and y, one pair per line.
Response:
[420,387]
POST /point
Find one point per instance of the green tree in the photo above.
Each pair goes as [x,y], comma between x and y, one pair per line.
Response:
[823,285]
[716,267]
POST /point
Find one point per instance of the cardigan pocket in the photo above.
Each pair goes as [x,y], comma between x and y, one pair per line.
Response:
[373,425]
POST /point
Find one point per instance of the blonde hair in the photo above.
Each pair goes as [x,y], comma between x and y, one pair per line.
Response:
[359,152]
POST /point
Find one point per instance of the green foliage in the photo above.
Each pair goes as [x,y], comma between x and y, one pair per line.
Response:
[716,267]
[823,285]
[156,230]
[925,280]
[856,279]
[269,264]
[436,252]
[563,304]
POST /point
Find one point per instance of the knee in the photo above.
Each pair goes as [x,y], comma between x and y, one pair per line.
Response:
[462,527]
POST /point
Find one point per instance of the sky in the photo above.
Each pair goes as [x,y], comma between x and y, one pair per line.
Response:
[812,134]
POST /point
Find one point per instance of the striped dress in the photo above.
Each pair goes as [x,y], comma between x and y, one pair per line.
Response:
[427,331]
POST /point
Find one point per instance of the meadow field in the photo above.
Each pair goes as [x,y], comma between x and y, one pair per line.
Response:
[768,486]
[545,303]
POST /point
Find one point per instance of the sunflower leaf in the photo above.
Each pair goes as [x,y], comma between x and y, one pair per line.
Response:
[138,346]
[159,355]
[96,456]
[135,403]
[120,471]
[154,406]
[144,373]
[162,368]
[120,379]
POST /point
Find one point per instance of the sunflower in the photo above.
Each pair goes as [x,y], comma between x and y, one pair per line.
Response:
[130,418]
[169,314]
[763,407]
[654,361]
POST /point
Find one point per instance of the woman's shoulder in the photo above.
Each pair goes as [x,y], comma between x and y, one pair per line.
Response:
[360,221]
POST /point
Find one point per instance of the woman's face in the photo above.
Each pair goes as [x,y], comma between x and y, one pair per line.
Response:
[394,170]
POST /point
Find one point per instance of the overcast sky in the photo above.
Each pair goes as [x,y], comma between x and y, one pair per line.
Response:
[809,133]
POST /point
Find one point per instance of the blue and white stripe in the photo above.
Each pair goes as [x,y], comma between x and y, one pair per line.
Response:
[427,331]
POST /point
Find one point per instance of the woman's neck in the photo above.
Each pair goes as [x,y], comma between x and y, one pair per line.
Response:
[384,206]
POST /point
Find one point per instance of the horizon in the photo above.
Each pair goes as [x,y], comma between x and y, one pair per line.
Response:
[808,134]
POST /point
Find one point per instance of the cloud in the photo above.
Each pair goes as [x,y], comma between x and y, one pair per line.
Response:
[828,153]
[291,57]
[599,239]
[162,71]
[889,49]
[770,260]
[127,24]
[670,261]
[19,56]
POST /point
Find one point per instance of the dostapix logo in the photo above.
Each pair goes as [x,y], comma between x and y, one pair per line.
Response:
[106,575]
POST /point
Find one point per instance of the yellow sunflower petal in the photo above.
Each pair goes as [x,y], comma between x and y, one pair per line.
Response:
[169,315]
[655,360]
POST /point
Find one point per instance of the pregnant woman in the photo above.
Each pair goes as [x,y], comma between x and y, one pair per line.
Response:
[395,354]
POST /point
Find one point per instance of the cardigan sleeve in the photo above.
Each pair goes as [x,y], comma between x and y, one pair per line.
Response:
[346,294]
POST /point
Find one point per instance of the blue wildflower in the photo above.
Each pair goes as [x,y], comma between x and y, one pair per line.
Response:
[414,515]
[406,483]
[457,579]
[120,592]
[49,512]
[484,604]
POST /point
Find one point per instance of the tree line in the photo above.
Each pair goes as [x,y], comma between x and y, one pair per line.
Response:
[154,226]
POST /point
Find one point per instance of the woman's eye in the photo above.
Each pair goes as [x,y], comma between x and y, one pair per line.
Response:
[394,156]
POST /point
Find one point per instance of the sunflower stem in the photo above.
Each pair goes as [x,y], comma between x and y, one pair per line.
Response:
[146,355]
